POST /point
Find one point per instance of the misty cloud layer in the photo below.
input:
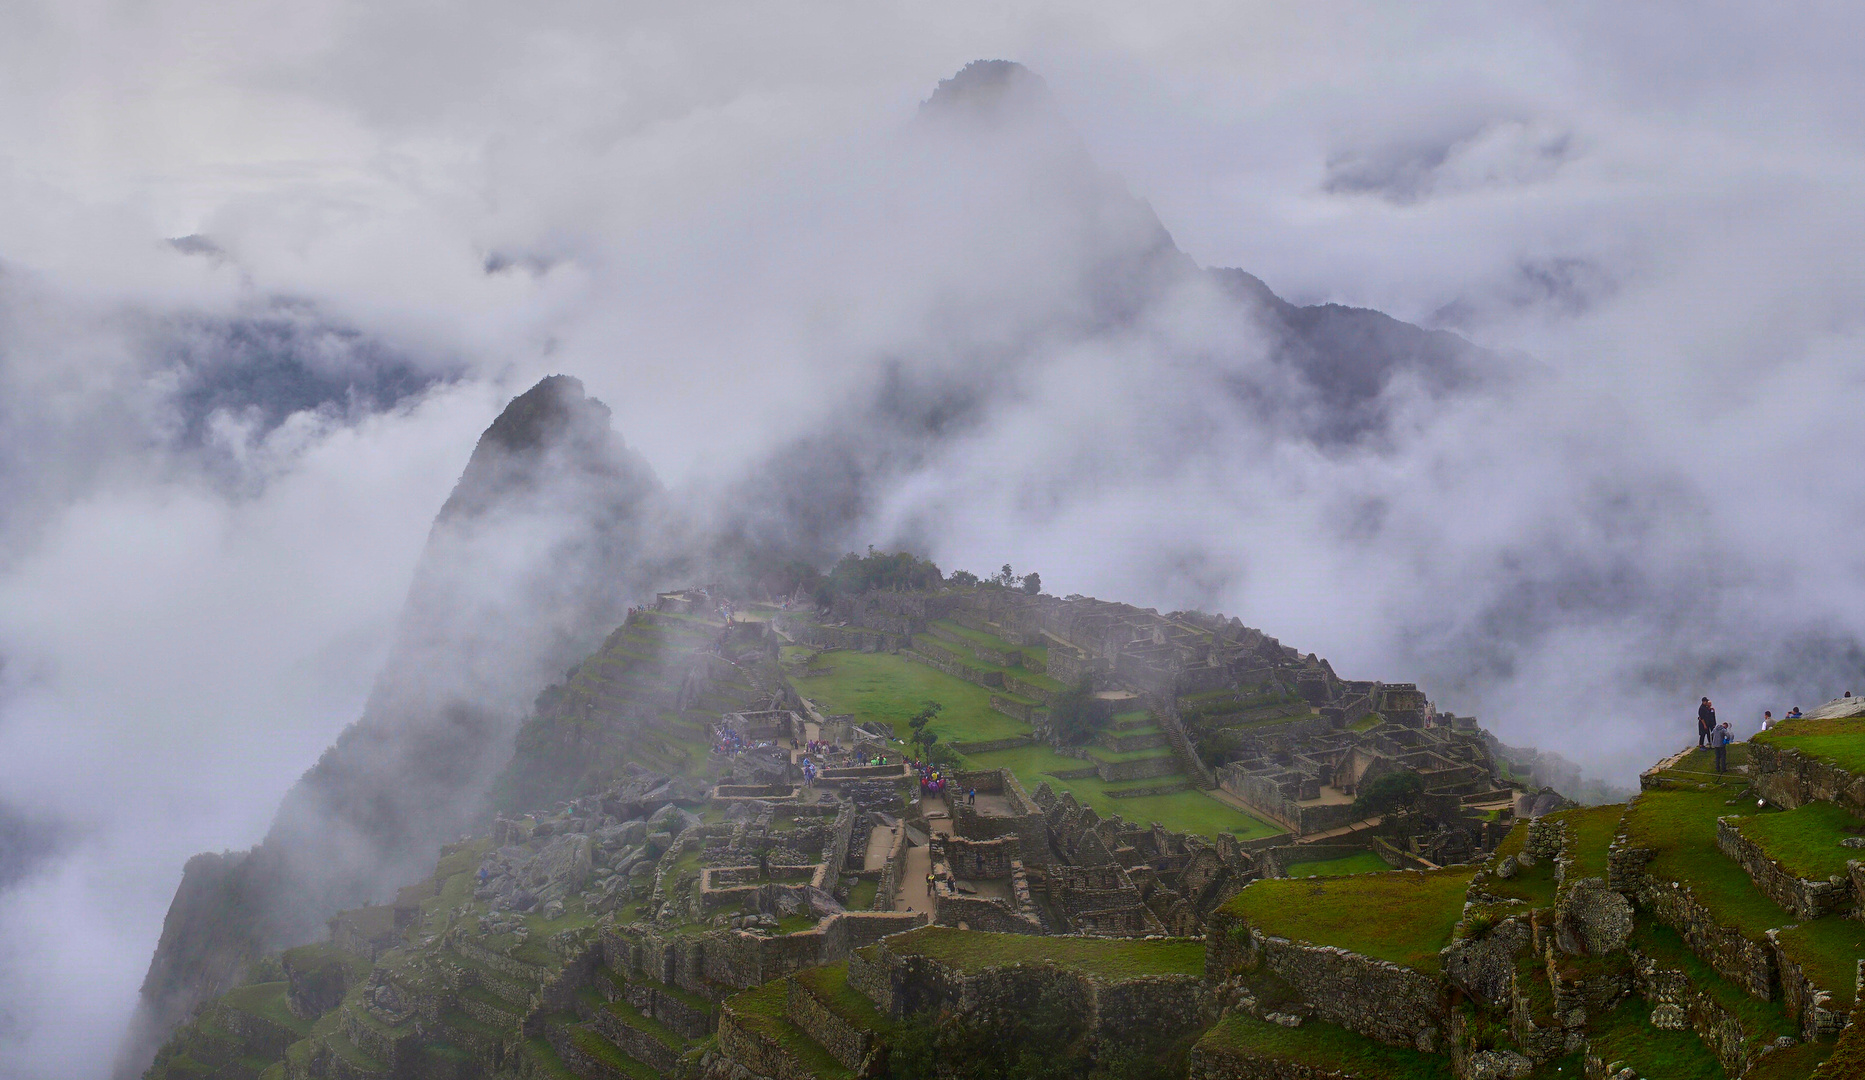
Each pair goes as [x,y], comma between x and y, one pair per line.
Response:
[825,320]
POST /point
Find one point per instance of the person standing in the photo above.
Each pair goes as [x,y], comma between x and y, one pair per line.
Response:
[1721,739]
[1706,723]
[1767,719]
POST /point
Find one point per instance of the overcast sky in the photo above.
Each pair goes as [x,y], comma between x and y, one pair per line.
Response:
[219,460]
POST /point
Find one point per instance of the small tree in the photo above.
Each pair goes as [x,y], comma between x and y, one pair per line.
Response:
[1074,715]
[1005,577]
[1388,793]
[962,577]
[1032,583]
[923,737]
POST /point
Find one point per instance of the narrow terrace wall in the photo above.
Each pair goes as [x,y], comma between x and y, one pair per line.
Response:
[1804,898]
[1395,1005]
[1790,778]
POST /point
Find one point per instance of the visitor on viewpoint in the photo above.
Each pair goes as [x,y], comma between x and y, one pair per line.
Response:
[1767,719]
[1792,714]
[1722,738]
[1706,723]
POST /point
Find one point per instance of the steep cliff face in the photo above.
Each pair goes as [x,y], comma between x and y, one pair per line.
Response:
[540,547]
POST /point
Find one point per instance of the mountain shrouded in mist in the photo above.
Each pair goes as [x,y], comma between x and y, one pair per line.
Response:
[554,527]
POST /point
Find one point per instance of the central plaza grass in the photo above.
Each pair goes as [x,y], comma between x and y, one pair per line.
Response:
[1841,742]
[1107,958]
[888,689]
[1680,826]
[1360,862]
[1190,811]
[1805,841]
[1328,1048]
[1403,917]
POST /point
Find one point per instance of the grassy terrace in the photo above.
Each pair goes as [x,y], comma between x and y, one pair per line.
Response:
[1625,1035]
[1107,958]
[1680,825]
[1323,1046]
[1533,885]
[1360,862]
[1841,742]
[761,1009]
[1590,830]
[1402,917]
[830,985]
[887,689]
[1806,841]
[267,1001]
[1190,811]
[1828,950]
[1762,1021]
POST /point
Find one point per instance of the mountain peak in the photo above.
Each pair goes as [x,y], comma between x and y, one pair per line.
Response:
[990,90]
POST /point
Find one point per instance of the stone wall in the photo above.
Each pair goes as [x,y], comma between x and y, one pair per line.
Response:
[1809,1005]
[1484,967]
[1790,778]
[844,1041]
[1137,768]
[1677,1003]
[1395,1005]
[1025,822]
[976,858]
[1804,898]
[1136,1010]
[1749,964]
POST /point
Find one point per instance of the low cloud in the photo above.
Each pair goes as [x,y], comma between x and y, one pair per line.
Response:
[824,326]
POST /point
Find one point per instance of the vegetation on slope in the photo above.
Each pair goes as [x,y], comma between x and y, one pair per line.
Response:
[1404,916]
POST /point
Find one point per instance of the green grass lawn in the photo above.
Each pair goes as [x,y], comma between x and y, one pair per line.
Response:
[1841,742]
[879,687]
[861,894]
[1590,831]
[1360,862]
[1680,825]
[1805,841]
[1108,958]
[1323,1046]
[977,637]
[1533,885]
[1190,811]
[1404,917]
[1626,1035]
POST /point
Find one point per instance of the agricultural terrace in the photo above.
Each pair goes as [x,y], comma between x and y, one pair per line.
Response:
[1404,916]
[885,689]
[1360,862]
[1806,841]
[1106,958]
[1327,1049]
[1839,742]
